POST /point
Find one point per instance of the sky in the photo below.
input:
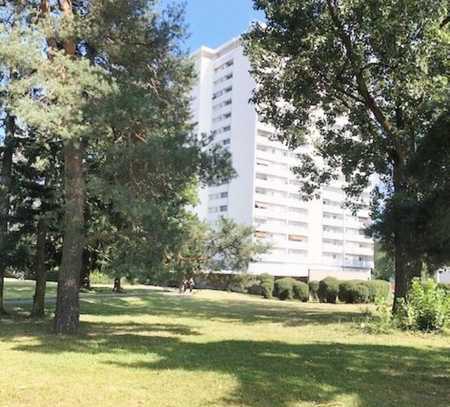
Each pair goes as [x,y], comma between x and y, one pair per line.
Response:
[213,22]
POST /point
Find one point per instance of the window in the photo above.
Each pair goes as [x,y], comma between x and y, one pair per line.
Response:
[223,208]
[224,66]
[226,141]
[222,92]
[224,194]
[223,78]
[213,210]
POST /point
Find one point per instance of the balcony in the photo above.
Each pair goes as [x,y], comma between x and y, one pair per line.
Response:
[360,251]
[333,235]
[272,184]
[333,222]
[269,198]
[332,248]
[359,264]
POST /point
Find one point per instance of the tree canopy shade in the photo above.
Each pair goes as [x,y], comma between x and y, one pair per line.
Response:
[372,77]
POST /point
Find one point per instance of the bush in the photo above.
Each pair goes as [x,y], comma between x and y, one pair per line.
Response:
[267,285]
[426,307]
[328,290]
[378,289]
[284,288]
[445,287]
[353,292]
[313,290]
[344,291]
[301,291]
[98,277]
[359,294]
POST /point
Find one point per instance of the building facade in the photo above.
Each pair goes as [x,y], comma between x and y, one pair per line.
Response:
[310,239]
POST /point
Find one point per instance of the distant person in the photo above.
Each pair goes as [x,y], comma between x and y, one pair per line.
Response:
[191,285]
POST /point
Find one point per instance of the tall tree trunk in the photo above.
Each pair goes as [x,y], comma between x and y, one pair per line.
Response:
[67,317]
[406,266]
[38,310]
[5,185]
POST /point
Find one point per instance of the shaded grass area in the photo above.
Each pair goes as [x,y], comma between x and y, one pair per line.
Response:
[219,349]
[24,289]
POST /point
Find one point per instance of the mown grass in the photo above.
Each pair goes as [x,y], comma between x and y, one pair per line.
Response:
[218,349]
[24,289]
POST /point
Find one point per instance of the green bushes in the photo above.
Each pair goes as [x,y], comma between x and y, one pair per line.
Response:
[301,291]
[328,290]
[284,288]
[313,290]
[353,292]
[378,289]
[426,307]
[267,285]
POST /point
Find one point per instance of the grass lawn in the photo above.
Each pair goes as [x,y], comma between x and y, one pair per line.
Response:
[218,349]
[24,289]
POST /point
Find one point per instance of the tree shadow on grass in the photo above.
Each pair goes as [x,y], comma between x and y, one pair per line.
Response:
[268,373]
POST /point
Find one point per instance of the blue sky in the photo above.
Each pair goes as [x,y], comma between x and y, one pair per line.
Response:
[213,22]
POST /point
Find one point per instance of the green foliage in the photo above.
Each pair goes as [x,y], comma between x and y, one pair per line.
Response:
[382,321]
[426,307]
[356,60]
[232,247]
[314,290]
[284,288]
[384,264]
[353,292]
[378,289]
[328,290]
[444,287]
[267,285]
[97,277]
[301,291]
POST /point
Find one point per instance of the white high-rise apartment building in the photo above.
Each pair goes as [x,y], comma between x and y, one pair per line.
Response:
[309,239]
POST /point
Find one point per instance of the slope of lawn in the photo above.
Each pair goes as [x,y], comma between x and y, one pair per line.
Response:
[218,349]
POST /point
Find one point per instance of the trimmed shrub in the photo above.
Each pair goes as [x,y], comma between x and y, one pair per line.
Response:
[267,285]
[255,289]
[313,290]
[301,291]
[378,289]
[344,293]
[284,288]
[359,294]
[426,307]
[328,290]
[353,292]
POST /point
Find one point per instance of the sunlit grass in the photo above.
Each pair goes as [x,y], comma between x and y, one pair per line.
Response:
[218,349]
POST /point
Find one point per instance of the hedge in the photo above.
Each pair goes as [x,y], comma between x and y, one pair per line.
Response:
[284,288]
[301,291]
[313,290]
[267,283]
[328,290]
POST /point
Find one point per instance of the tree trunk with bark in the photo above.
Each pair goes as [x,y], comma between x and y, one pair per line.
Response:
[406,266]
[5,185]
[67,318]
[38,310]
